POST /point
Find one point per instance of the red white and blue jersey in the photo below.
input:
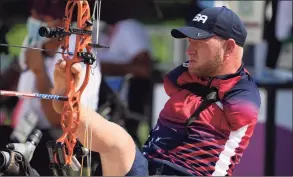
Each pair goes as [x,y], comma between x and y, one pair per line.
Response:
[217,138]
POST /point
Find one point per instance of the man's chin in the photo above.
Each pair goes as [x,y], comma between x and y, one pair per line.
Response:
[193,71]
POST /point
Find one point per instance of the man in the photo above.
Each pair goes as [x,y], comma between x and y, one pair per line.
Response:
[36,66]
[221,132]
[213,142]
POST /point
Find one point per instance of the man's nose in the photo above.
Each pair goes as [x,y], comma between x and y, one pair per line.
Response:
[190,50]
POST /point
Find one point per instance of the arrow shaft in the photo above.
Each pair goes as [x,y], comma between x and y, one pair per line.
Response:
[33,95]
[34,48]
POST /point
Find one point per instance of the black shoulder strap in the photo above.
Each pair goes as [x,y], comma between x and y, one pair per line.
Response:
[211,98]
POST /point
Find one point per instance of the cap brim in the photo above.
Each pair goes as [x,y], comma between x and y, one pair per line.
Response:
[190,32]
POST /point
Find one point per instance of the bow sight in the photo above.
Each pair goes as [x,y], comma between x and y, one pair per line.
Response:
[53,32]
[58,32]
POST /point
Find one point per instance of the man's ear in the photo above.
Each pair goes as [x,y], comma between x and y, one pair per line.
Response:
[229,47]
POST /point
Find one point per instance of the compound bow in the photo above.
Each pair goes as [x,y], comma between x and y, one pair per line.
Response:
[62,152]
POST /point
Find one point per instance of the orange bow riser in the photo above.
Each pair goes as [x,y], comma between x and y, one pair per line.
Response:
[62,152]
[71,110]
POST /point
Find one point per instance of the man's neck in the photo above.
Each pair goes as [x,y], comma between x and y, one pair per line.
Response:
[227,69]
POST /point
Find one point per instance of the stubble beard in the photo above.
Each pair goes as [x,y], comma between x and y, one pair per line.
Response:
[210,68]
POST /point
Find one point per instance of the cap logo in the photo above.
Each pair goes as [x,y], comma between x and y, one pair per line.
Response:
[200,18]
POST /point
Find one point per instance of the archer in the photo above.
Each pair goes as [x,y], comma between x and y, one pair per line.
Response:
[209,119]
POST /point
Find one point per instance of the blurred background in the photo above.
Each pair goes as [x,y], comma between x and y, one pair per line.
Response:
[141,52]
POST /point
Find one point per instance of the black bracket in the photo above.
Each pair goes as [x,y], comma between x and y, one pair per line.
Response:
[88,58]
[56,152]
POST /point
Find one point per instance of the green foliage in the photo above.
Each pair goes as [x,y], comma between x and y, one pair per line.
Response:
[16,36]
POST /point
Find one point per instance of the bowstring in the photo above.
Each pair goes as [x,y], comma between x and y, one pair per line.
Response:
[97,10]
[88,131]
[85,143]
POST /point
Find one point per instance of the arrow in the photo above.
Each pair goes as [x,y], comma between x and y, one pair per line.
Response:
[33,95]
[35,48]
